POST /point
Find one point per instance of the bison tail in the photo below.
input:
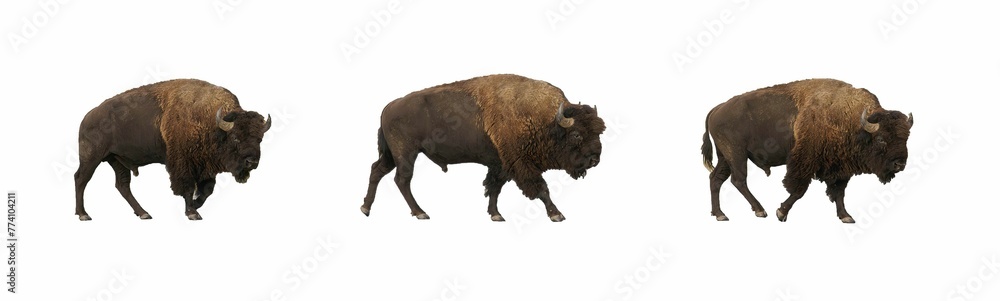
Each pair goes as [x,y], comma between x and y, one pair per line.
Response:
[383,148]
[706,147]
[706,152]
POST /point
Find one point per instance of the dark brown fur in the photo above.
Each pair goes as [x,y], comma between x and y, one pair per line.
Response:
[814,126]
[172,123]
[506,122]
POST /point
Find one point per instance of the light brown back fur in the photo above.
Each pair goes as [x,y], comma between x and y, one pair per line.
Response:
[829,119]
[516,111]
[188,120]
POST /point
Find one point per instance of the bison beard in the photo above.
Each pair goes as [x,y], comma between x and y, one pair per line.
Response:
[820,128]
[197,129]
[517,127]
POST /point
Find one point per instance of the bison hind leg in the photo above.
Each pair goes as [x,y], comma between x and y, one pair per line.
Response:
[81,178]
[91,156]
[739,179]
[123,182]
[380,168]
[717,177]
[404,174]
[737,162]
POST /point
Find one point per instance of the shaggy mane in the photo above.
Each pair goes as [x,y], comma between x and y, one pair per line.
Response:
[828,124]
[188,122]
[518,112]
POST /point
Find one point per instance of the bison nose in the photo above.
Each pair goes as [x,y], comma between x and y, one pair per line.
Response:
[594,161]
[899,165]
[251,162]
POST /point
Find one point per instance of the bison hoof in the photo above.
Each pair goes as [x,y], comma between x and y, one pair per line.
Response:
[847,219]
[422,216]
[145,216]
[85,217]
[721,218]
[365,210]
[194,216]
[781,215]
[497,218]
[761,213]
[558,217]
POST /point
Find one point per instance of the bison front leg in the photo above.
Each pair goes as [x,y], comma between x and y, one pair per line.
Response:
[190,210]
[550,207]
[535,187]
[494,183]
[835,189]
[205,189]
[796,188]
[186,187]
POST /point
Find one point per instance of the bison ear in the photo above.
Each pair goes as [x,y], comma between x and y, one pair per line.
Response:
[575,137]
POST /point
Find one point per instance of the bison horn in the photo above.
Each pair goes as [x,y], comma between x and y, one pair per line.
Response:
[868,126]
[561,119]
[224,125]
[909,120]
[267,124]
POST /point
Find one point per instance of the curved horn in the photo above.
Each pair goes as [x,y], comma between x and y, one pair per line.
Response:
[224,125]
[267,124]
[909,120]
[868,126]
[561,119]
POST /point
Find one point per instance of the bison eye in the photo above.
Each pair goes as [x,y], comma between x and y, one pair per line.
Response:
[575,136]
[237,140]
[879,140]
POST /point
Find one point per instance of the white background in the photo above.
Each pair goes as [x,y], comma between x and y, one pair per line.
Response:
[921,238]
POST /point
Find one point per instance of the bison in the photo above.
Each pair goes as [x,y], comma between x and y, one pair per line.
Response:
[195,128]
[821,128]
[516,126]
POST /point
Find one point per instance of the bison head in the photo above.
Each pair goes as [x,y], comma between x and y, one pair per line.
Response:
[884,135]
[239,141]
[576,132]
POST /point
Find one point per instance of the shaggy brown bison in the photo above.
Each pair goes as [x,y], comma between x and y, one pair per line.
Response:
[197,129]
[516,126]
[821,128]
